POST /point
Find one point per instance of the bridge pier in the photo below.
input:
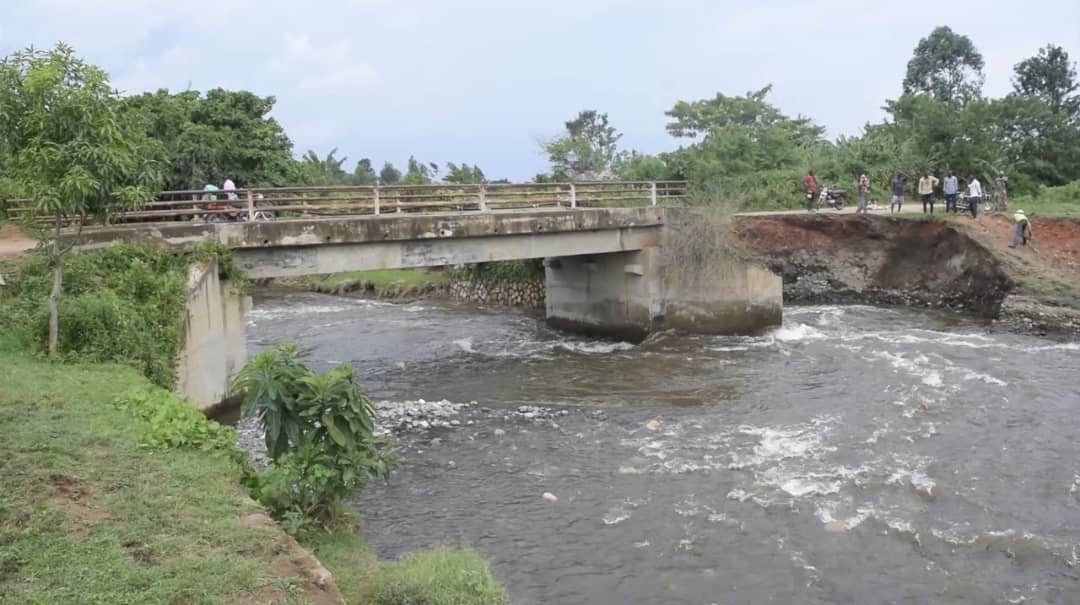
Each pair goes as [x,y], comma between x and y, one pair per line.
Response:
[697,285]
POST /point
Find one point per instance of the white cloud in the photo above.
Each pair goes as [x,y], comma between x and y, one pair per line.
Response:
[473,80]
[320,69]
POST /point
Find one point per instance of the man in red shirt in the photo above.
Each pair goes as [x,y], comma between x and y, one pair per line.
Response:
[810,184]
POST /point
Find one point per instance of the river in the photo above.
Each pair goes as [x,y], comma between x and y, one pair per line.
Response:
[853,455]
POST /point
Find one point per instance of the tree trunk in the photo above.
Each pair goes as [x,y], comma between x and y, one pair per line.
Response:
[57,291]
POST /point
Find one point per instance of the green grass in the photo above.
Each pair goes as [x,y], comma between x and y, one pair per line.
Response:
[389,283]
[87,515]
[442,576]
[1061,201]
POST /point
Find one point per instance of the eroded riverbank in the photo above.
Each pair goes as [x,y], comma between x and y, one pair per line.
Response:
[854,454]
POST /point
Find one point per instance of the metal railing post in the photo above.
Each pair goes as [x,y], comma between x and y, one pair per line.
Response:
[573,195]
[251,205]
[652,192]
[483,198]
[376,200]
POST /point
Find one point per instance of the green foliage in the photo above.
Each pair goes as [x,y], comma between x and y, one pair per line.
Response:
[165,421]
[225,133]
[419,173]
[70,150]
[124,304]
[364,173]
[587,151]
[441,576]
[1050,77]
[389,175]
[946,66]
[504,272]
[644,167]
[319,434]
[463,174]
[324,171]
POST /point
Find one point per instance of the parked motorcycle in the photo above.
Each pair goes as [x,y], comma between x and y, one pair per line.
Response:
[832,198]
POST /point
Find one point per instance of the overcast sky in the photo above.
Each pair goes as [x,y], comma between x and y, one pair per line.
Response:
[483,80]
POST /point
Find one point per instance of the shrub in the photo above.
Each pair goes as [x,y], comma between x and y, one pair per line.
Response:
[121,304]
[441,576]
[168,422]
[319,435]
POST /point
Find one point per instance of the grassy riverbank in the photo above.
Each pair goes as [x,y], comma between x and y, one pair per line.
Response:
[89,513]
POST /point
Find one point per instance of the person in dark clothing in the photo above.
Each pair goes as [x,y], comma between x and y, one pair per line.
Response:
[899,188]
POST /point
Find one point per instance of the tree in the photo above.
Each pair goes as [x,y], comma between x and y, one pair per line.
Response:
[417,173]
[389,175]
[464,174]
[587,151]
[74,153]
[947,66]
[1050,76]
[324,171]
[224,133]
[740,142]
[364,174]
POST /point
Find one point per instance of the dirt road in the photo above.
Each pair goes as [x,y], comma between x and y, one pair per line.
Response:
[13,242]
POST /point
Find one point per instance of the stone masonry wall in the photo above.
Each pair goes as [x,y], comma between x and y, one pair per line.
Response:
[527,293]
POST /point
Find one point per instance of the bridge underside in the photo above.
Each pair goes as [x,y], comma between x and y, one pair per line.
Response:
[292,261]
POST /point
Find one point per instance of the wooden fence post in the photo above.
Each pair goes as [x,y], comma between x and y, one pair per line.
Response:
[652,192]
[483,198]
[251,205]
[573,195]
[376,200]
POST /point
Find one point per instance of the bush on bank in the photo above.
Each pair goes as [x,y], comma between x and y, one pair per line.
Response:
[123,304]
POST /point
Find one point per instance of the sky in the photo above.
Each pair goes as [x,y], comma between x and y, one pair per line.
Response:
[485,81]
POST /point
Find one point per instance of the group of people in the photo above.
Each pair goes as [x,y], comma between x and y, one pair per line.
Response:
[927,185]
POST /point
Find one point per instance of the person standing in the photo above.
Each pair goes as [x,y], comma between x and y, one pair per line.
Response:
[1023,229]
[899,187]
[951,187]
[926,191]
[975,194]
[864,192]
[810,184]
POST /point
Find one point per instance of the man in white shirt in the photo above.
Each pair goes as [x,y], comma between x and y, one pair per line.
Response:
[974,196]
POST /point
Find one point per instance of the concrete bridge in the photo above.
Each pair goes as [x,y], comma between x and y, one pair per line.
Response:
[621,272]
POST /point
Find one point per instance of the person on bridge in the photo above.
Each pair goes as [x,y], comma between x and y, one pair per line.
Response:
[810,184]
[1023,229]
[229,187]
[950,188]
[926,191]
[864,192]
[899,188]
[975,194]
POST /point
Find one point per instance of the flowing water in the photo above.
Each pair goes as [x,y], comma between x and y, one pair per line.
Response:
[853,455]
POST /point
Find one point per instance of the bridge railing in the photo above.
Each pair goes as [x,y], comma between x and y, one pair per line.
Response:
[288,202]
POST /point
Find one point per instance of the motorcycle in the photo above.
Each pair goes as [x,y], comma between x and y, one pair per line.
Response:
[832,198]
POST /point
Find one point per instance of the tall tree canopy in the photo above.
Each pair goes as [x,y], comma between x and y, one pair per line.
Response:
[222,134]
[587,150]
[1051,77]
[947,66]
[73,153]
